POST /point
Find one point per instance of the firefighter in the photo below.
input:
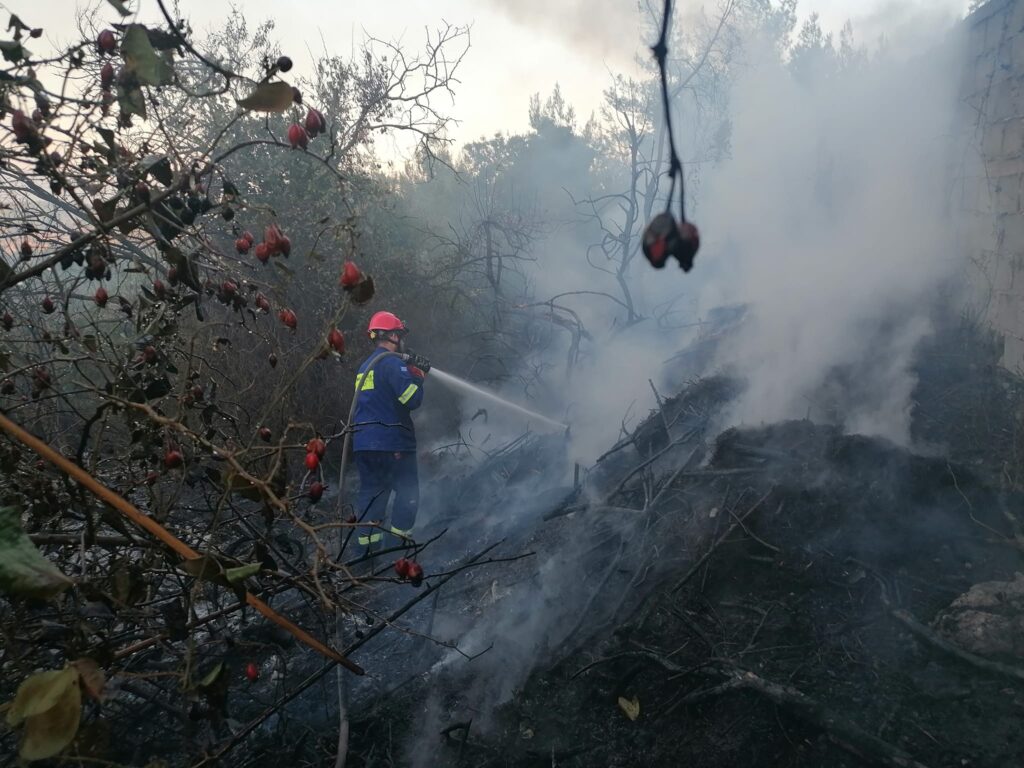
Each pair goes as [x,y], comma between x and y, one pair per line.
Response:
[389,387]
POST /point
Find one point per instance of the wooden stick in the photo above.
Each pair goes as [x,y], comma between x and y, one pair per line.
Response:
[154,528]
[711,550]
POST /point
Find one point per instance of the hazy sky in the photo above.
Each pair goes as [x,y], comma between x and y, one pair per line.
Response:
[519,47]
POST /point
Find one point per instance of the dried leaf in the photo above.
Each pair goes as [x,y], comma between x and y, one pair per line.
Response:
[23,569]
[362,291]
[630,707]
[159,167]
[49,732]
[149,67]
[268,97]
[92,678]
[105,209]
[235,575]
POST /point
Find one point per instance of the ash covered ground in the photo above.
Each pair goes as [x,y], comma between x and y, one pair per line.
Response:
[785,594]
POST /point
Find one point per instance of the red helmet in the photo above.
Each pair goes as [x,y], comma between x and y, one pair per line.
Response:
[384,321]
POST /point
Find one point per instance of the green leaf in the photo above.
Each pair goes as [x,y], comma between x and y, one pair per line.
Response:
[23,569]
[49,732]
[119,7]
[205,568]
[235,575]
[110,138]
[212,676]
[132,100]
[268,97]
[148,66]
[38,693]
[12,51]
[235,483]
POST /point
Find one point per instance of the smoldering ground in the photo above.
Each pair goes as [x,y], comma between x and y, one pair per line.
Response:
[829,221]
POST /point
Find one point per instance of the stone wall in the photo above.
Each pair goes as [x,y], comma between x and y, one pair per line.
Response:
[990,174]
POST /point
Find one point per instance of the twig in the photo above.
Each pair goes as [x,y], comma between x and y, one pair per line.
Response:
[696,566]
[241,735]
[753,535]
[924,633]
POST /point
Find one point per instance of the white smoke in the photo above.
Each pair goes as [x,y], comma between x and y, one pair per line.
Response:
[835,204]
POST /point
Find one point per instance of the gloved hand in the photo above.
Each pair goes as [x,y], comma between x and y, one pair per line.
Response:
[419,362]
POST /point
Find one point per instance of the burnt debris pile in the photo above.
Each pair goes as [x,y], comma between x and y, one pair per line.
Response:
[780,595]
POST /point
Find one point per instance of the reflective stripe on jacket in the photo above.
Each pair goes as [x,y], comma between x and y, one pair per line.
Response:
[387,394]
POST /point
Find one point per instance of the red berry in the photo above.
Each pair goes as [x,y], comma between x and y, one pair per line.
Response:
[415,574]
[288,317]
[26,249]
[252,672]
[107,76]
[21,125]
[229,288]
[337,341]
[172,458]
[247,235]
[48,305]
[101,297]
[149,354]
[297,136]
[313,123]
[159,289]
[262,252]
[402,567]
[316,490]
[317,446]
[350,276]
[106,41]
[312,461]
[262,302]
[197,392]
[265,434]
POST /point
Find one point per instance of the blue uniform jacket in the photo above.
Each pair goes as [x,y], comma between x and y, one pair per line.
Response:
[387,395]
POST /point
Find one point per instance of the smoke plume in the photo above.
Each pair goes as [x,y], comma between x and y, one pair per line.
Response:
[834,208]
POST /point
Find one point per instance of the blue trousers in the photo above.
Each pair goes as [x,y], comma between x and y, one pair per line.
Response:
[381,474]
